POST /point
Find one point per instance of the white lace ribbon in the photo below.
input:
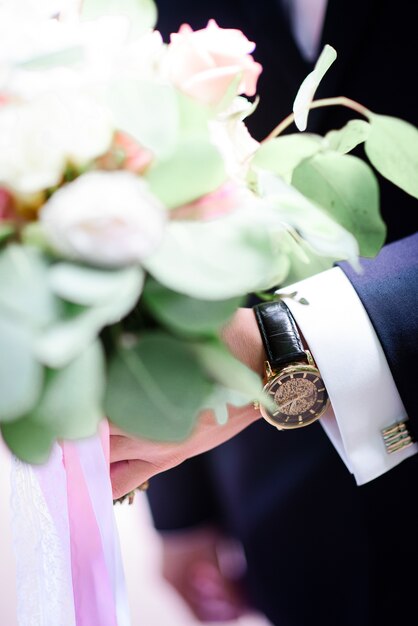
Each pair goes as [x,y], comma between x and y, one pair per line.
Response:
[49,528]
[41,543]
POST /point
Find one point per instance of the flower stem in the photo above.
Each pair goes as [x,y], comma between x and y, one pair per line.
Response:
[317,104]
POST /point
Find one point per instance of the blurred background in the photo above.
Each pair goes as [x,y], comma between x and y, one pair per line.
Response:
[153,601]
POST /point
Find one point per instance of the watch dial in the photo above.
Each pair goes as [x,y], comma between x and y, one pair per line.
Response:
[299,395]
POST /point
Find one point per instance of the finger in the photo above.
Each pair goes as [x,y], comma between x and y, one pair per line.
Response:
[127,476]
[123,448]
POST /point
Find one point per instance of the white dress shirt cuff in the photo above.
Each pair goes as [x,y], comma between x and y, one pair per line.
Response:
[360,385]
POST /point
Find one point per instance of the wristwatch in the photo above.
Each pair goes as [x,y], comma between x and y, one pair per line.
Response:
[292,379]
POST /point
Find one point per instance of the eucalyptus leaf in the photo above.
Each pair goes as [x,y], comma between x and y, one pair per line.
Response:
[224,368]
[392,148]
[72,400]
[142,14]
[193,117]
[147,111]
[185,315]
[90,286]
[25,292]
[347,189]
[307,90]
[306,222]
[245,385]
[220,399]
[283,154]
[304,260]
[66,339]
[220,259]
[156,388]
[194,169]
[21,375]
[28,441]
[347,138]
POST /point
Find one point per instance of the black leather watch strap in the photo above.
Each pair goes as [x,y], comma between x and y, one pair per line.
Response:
[280,336]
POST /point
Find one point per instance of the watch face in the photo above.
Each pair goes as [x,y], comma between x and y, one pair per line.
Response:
[299,395]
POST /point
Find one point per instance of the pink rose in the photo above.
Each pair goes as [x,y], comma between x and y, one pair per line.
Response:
[126,154]
[204,63]
[215,204]
[6,205]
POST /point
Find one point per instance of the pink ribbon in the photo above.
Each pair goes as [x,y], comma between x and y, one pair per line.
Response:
[95,561]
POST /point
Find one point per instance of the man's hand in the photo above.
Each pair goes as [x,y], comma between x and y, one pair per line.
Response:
[205,569]
[133,460]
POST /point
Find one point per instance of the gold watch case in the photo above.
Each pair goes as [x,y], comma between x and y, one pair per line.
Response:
[298,392]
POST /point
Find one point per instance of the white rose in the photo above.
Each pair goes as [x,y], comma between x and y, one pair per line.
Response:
[38,138]
[104,218]
[29,161]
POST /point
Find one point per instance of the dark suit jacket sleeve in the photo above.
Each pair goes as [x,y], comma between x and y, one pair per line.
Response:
[388,289]
[183,496]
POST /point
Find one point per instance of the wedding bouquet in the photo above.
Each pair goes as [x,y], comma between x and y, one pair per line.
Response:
[137,213]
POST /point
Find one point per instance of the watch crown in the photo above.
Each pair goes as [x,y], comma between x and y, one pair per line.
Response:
[268,369]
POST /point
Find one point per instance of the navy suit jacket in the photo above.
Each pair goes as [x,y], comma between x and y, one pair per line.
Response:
[321,551]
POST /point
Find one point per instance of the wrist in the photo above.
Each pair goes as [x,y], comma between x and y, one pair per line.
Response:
[242,336]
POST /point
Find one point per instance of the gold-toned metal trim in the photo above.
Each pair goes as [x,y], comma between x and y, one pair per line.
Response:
[397,437]
[271,375]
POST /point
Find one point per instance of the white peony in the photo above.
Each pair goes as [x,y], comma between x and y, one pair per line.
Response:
[104,218]
[38,138]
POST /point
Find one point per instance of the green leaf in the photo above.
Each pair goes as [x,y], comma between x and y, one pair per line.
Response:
[185,315]
[348,137]
[309,86]
[244,384]
[6,229]
[220,399]
[392,148]
[156,388]
[21,375]
[25,292]
[194,169]
[142,14]
[306,222]
[225,369]
[219,259]
[347,189]
[115,295]
[28,441]
[147,111]
[283,154]
[90,286]
[193,117]
[304,261]
[72,401]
